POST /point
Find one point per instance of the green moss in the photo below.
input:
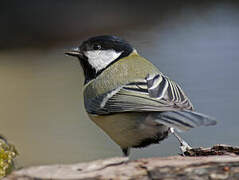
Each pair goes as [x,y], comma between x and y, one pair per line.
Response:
[7,155]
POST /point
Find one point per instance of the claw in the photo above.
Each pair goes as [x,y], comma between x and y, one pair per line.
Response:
[184,146]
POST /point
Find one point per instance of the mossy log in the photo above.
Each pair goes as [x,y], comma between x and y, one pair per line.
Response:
[218,162]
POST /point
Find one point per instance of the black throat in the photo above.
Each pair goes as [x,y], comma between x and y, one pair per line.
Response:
[89,72]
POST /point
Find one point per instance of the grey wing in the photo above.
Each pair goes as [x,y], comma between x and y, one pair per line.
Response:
[157,94]
[154,93]
[162,88]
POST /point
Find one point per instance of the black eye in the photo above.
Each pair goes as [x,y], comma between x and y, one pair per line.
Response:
[97,47]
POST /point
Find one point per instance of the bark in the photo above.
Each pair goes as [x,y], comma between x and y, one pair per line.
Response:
[218,162]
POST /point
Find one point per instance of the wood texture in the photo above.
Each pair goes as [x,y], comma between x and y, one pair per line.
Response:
[223,165]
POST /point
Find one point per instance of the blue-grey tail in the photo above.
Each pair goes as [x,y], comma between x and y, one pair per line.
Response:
[184,120]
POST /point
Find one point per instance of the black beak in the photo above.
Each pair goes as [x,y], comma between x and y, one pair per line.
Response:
[75,53]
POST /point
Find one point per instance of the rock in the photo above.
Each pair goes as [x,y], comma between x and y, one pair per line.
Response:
[8,154]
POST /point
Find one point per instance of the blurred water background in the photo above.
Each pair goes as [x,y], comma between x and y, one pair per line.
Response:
[196,43]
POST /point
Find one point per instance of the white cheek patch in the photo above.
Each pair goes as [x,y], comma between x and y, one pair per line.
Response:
[99,59]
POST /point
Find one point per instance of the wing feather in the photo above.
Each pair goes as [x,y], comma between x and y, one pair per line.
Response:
[154,93]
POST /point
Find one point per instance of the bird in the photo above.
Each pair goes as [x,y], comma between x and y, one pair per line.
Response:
[129,98]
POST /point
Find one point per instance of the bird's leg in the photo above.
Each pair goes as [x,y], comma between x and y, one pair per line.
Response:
[184,146]
[125,152]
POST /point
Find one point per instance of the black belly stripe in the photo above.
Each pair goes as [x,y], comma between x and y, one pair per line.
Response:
[152,140]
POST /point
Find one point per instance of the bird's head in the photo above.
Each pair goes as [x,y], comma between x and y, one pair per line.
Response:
[98,53]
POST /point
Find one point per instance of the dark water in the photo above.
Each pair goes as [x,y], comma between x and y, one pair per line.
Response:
[41,109]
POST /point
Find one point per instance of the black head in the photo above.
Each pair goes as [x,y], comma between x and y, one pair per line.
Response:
[106,42]
[98,53]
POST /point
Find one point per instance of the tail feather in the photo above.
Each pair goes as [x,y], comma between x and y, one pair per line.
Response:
[184,120]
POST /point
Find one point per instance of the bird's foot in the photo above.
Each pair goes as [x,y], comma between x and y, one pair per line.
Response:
[184,146]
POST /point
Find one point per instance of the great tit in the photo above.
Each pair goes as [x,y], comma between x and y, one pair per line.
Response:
[129,98]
